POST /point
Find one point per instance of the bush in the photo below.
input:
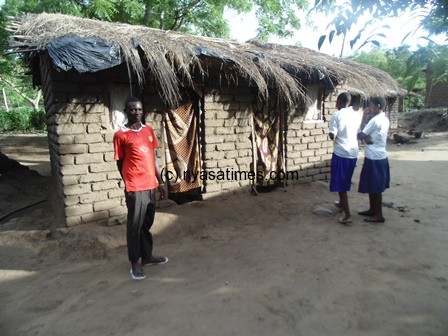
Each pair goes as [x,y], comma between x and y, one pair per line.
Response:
[23,119]
[38,120]
[414,102]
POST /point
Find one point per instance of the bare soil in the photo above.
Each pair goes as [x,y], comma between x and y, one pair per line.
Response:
[239,264]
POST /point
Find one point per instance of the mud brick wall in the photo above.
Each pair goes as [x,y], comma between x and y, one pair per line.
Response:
[436,93]
[392,110]
[393,119]
[154,108]
[89,187]
[227,127]
[308,147]
[308,150]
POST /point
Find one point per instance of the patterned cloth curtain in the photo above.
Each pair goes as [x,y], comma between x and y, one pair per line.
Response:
[267,129]
[182,147]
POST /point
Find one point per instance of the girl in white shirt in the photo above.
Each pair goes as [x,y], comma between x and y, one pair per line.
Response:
[375,173]
[344,126]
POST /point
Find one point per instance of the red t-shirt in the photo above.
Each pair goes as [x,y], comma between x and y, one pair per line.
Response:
[136,150]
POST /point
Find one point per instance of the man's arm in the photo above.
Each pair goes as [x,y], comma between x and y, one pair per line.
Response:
[158,174]
[162,187]
[120,167]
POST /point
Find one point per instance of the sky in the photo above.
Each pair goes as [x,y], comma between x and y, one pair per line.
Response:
[244,26]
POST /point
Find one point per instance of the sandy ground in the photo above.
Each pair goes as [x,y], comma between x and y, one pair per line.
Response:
[240,265]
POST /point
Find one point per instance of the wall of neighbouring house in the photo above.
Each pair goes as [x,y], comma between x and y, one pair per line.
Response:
[436,93]
[393,109]
[80,118]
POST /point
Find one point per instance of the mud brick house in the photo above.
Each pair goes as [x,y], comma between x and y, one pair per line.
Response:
[235,115]
[436,94]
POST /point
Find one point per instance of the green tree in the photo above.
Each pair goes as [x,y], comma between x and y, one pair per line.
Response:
[409,67]
[433,57]
[13,79]
[395,63]
[16,7]
[431,14]
[205,17]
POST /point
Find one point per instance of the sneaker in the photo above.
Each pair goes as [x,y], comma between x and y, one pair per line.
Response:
[155,261]
[137,273]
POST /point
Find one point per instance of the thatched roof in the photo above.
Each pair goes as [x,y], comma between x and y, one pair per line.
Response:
[173,57]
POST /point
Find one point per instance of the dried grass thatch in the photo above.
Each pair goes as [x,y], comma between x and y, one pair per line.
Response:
[174,57]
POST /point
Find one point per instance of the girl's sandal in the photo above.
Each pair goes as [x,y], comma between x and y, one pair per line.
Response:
[344,221]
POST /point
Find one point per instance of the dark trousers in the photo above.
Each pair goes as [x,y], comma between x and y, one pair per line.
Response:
[141,210]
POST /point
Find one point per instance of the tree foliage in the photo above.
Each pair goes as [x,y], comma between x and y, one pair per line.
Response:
[5,60]
[409,67]
[15,84]
[433,57]
[395,63]
[204,17]
[432,16]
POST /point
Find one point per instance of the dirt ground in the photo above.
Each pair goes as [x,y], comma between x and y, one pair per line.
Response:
[239,265]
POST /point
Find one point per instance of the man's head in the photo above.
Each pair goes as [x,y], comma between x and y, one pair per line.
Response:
[343,100]
[133,109]
[376,104]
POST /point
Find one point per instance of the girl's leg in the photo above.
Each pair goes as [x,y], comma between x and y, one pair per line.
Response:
[343,203]
[371,210]
[377,207]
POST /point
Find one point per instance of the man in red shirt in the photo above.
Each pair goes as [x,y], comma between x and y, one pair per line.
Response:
[134,146]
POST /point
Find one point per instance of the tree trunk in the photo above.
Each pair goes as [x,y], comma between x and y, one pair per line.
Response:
[5,100]
[162,21]
[34,102]
[148,13]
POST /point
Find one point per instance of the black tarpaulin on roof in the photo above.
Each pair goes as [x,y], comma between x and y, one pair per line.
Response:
[83,54]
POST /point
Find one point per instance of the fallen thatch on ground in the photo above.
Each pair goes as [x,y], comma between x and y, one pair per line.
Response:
[173,58]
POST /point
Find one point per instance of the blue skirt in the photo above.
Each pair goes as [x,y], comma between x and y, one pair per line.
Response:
[341,173]
[375,176]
